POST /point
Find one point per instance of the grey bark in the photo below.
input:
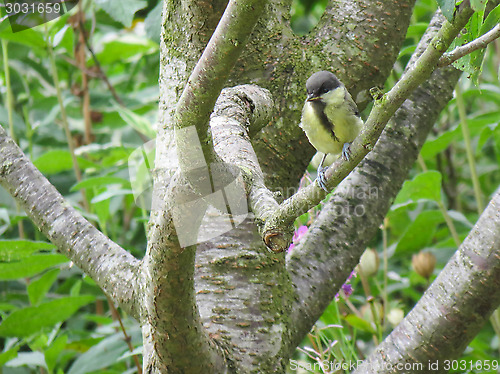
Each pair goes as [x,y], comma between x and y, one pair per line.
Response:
[235,307]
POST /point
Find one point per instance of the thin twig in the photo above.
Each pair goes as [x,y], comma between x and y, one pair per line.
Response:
[80,56]
[128,340]
[479,43]
[89,72]
[65,123]
[98,65]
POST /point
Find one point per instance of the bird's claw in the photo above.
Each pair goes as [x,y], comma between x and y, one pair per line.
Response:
[321,178]
[346,151]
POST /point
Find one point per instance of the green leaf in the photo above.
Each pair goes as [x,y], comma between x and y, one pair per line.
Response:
[460,217]
[420,232]
[98,319]
[136,352]
[486,135]
[137,122]
[125,47]
[407,51]
[399,219]
[28,321]
[8,355]
[108,194]
[425,186]
[491,20]
[30,266]
[476,127]
[496,137]
[75,289]
[57,161]
[13,250]
[448,8]
[434,146]
[104,354]
[5,307]
[359,323]
[103,212]
[30,37]
[38,288]
[122,11]
[62,34]
[100,182]
[53,162]
[470,63]
[478,5]
[417,30]
[152,23]
[16,118]
[474,61]
[64,38]
[54,350]
[29,359]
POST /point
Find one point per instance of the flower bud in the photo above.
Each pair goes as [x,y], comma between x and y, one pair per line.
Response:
[369,262]
[395,316]
[424,263]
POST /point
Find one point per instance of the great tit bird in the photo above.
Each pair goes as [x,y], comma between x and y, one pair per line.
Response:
[330,118]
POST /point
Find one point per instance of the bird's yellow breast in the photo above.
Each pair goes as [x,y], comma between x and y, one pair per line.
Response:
[318,135]
[346,125]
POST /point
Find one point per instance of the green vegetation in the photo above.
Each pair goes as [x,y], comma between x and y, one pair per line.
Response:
[81,119]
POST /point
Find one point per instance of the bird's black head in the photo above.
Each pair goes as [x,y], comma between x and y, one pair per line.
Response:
[320,83]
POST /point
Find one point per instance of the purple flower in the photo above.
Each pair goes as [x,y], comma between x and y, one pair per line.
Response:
[299,233]
[347,287]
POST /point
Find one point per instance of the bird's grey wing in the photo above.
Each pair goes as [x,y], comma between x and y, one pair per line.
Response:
[351,104]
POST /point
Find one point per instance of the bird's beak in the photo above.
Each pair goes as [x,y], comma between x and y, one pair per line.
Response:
[311,97]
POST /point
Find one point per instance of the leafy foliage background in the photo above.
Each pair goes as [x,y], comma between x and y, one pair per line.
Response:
[56,320]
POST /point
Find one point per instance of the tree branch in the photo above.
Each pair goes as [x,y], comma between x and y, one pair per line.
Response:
[277,227]
[240,286]
[211,72]
[239,112]
[453,309]
[180,341]
[325,256]
[479,43]
[110,266]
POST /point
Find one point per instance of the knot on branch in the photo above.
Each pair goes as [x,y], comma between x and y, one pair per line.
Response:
[277,241]
[249,102]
